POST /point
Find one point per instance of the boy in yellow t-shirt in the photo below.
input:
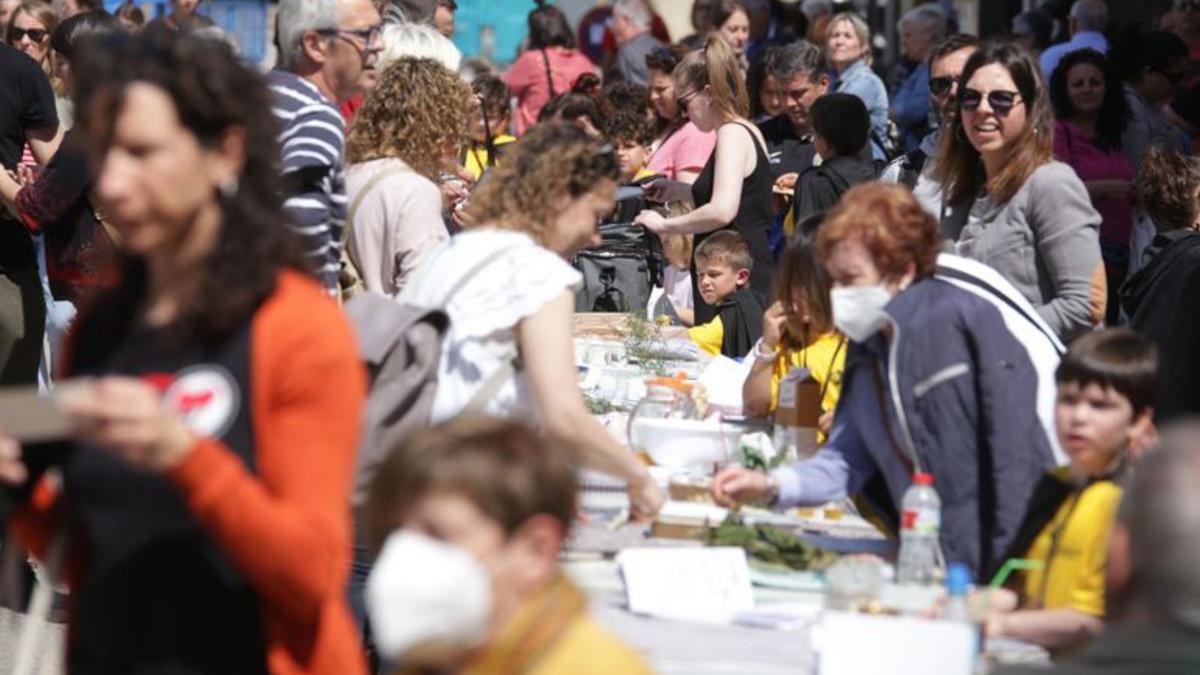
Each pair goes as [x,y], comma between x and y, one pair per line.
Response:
[490,118]
[723,264]
[1104,416]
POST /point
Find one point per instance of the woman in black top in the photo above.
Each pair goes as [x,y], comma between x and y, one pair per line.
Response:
[733,190]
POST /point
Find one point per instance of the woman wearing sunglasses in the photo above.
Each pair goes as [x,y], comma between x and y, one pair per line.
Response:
[734,189]
[1008,203]
[28,31]
[679,150]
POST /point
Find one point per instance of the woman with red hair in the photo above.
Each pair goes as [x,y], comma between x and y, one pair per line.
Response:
[934,383]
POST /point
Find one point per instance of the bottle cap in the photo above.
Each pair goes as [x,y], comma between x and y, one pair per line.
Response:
[958,579]
[923,478]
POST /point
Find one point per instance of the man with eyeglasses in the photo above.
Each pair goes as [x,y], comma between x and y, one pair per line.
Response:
[913,168]
[630,24]
[327,54]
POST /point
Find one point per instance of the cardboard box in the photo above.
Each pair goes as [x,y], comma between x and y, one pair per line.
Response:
[798,413]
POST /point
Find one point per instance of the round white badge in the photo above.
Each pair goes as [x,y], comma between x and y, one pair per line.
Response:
[206,397]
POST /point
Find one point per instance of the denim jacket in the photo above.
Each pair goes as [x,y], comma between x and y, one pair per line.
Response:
[910,107]
[861,81]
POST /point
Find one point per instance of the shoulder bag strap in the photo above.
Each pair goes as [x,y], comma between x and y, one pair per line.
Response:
[549,75]
[362,194]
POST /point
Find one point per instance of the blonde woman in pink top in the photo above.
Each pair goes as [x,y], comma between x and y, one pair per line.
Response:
[546,69]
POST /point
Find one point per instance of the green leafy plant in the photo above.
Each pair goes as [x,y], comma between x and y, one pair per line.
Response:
[643,343]
[768,544]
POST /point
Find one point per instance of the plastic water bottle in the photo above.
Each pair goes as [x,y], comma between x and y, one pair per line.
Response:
[958,584]
[920,521]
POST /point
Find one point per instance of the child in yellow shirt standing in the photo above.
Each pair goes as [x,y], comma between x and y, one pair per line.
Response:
[490,118]
[1106,388]
[723,263]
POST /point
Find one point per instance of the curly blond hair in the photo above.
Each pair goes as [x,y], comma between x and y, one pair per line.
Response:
[417,112]
[524,192]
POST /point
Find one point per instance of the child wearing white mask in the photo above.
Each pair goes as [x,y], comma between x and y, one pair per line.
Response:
[469,518]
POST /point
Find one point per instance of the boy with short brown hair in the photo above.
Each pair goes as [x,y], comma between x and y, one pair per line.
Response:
[723,264]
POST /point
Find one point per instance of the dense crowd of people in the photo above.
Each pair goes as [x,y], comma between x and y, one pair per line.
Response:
[987,257]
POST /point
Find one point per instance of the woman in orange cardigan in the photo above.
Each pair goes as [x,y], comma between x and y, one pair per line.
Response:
[205,488]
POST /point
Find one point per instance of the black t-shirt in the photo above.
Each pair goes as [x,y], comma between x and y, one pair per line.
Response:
[788,152]
[26,102]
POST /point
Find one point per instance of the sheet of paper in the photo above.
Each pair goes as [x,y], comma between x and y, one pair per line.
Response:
[899,645]
[722,380]
[708,585]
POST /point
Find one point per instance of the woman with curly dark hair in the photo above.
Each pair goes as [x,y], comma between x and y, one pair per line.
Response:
[205,487]
[510,292]
[1092,116]
[402,139]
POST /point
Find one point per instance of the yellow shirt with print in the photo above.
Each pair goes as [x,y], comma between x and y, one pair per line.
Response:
[475,157]
[1074,548]
[709,336]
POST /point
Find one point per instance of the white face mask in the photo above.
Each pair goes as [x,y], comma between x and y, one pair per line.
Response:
[858,311]
[424,592]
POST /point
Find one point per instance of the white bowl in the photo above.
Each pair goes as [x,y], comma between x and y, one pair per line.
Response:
[685,444]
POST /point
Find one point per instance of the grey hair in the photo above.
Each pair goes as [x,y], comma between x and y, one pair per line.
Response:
[418,41]
[409,11]
[1162,512]
[796,58]
[815,9]
[861,29]
[296,17]
[1092,15]
[928,17]
[637,11]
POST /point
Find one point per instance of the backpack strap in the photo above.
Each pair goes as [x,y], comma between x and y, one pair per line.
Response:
[911,167]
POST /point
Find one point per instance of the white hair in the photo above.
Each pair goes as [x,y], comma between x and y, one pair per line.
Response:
[637,11]
[1091,15]
[295,17]
[417,41]
[929,17]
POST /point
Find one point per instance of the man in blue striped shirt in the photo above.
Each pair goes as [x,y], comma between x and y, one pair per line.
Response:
[327,53]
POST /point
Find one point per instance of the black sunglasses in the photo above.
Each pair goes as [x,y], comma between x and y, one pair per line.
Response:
[940,86]
[1001,102]
[36,34]
[684,100]
[1186,5]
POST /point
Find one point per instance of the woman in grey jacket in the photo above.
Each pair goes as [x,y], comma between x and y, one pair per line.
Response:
[1011,206]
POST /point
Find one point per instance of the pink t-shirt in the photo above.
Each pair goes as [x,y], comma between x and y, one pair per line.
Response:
[526,78]
[1074,147]
[688,149]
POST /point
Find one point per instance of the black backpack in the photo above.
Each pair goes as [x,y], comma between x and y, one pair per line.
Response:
[619,275]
